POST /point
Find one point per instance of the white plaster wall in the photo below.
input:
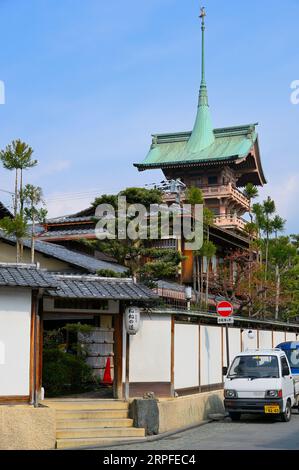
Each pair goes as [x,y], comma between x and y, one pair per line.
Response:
[279,337]
[291,337]
[234,336]
[186,356]
[210,355]
[15,319]
[150,350]
[247,342]
[265,339]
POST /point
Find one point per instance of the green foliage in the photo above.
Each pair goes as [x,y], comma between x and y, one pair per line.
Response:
[208,249]
[194,196]
[161,264]
[106,199]
[64,367]
[251,191]
[133,196]
[142,196]
[16,227]
[17,155]
[65,373]
[110,273]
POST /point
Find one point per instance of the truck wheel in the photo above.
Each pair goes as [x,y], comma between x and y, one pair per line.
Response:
[287,414]
[235,416]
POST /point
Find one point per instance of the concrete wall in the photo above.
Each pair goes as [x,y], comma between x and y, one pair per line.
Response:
[291,337]
[187,411]
[186,351]
[150,350]
[15,320]
[27,428]
[265,339]
[234,335]
[199,353]
[210,355]
[279,337]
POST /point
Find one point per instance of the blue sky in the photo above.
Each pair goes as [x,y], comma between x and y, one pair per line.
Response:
[87,82]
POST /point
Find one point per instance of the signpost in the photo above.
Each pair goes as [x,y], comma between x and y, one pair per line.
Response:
[225,311]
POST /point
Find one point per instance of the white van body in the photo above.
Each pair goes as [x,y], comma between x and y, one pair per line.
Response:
[260,381]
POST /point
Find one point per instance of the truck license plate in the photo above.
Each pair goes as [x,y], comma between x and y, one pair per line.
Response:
[272,409]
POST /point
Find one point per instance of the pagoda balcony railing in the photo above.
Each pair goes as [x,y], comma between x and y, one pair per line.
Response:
[224,191]
[218,191]
[230,221]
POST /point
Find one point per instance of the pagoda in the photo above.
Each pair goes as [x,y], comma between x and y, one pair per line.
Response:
[218,161]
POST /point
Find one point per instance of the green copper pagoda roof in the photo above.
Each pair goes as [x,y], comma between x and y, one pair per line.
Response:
[173,149]
[202,135]
[205,145]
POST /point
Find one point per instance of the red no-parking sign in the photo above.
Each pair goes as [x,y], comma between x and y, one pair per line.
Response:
[225,309]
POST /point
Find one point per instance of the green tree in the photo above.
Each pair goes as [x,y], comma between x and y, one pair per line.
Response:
[194,196]
[17,157]
[282,255]
[268,208]
[16,227]
[251,193]
[207,251]
[33,199]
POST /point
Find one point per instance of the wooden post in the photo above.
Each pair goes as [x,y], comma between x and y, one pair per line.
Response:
[227,344]
[118,355]
[34,350]
[127,381]
[199,361]
[172,356]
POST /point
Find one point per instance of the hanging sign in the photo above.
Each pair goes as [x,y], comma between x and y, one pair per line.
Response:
[132,320]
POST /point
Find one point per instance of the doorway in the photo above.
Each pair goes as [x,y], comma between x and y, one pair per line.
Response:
[80,355]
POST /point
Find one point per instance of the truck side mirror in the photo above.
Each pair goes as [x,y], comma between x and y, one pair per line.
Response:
[224,370]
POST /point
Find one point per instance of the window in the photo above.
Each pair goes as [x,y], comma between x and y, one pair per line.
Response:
[256,367]
[284,367]
[212,180]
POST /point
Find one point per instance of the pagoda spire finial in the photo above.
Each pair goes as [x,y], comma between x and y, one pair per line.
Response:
[203,27]
[202,135]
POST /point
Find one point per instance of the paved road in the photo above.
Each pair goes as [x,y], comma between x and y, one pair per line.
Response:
[250,433]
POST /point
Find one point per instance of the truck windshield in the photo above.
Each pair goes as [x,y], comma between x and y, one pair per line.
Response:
[254,367]
[293,357]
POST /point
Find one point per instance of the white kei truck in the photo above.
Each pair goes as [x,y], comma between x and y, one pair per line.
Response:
[260,381]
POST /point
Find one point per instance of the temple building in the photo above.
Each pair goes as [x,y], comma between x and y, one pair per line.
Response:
[219,161]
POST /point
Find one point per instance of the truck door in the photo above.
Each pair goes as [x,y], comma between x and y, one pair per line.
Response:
[287,379]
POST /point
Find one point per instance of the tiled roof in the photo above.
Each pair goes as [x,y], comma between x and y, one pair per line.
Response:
[25,275]
[72,257]
[69,219]
[4,212]
[67,233]
[92,287]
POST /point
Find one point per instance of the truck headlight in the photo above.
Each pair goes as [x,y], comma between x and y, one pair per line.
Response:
[230,394]
[273,394]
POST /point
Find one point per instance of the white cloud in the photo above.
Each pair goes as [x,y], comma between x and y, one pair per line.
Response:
[285,193]
[60,204]
[52,168]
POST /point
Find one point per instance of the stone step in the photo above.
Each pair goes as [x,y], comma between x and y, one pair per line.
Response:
[86,405]
[93,442]
[93,423]
[86,433]
[91,414]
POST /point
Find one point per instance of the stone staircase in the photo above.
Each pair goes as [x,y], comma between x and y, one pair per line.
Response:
[92,422]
